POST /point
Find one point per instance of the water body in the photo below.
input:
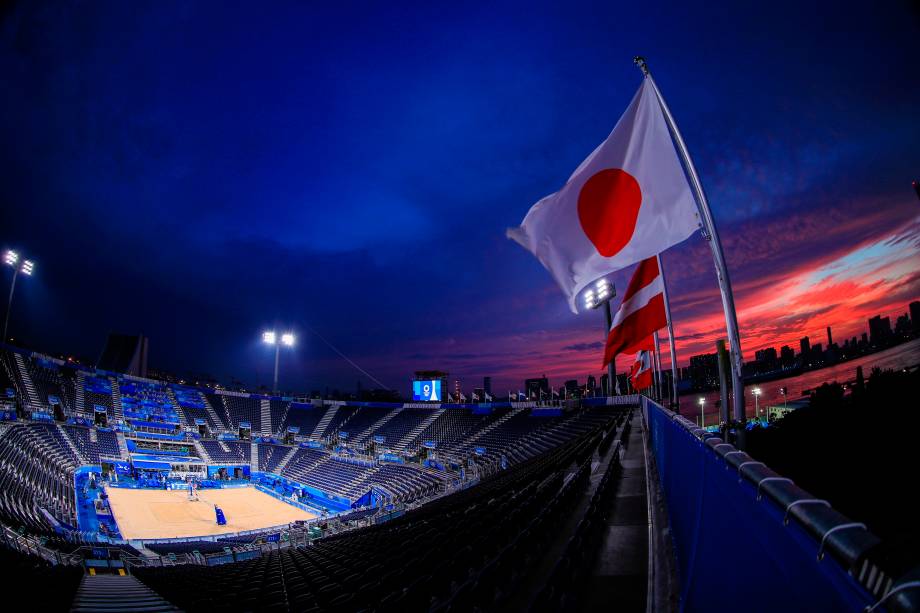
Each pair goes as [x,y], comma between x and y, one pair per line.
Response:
[902,356]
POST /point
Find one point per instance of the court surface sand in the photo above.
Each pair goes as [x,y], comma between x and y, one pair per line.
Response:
[149,514]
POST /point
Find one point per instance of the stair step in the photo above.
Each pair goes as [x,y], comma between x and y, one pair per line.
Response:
[117,593]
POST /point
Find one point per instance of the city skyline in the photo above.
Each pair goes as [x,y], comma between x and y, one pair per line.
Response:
[200,196]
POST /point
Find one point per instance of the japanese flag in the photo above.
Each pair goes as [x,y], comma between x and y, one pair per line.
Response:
[629,200]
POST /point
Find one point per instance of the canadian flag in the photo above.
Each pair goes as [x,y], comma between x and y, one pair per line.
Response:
[640,314]
[640,375]
[629,200]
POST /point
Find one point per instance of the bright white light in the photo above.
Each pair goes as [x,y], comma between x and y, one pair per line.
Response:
[756,391]
[702,401]
[268,337]
[601,284]
[27,267]
[11,258]
[287,339]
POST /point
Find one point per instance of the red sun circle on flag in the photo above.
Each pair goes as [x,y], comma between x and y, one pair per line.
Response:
[608,208]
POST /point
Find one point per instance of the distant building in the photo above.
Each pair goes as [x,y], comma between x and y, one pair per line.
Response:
[766,359]
[572,389]
[591,384]
[902,326]
[915,315]
[487,385]
[786,356]
[879,330]
[830,339]
[805,347]
[534,387]
[125,353]
[704,370]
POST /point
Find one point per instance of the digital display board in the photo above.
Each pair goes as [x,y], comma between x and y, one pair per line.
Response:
[427,391]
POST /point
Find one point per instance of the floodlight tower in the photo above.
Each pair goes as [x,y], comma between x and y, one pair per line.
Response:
[601,294]
[11,258]
[270,338]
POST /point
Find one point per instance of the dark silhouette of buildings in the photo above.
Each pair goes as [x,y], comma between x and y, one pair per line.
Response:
[879,330]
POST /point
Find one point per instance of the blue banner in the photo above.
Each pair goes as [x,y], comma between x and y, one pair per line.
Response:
[761,561]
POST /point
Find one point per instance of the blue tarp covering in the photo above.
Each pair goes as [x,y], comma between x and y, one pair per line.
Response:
[733,551]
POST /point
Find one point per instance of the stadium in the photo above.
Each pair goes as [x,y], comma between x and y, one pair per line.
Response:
[120,475]
[128,493]
[621,394]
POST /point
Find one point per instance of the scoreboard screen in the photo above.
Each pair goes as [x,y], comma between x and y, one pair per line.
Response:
[427,391]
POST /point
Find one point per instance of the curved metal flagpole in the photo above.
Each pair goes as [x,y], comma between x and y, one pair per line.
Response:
[710,234]
[667,313]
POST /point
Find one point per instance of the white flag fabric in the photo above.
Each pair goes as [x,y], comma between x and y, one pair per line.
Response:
[628,201]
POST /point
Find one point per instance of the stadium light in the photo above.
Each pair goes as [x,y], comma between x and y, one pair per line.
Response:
[11,258]
[601,294]
[702,413]
[756,391]
[269,337]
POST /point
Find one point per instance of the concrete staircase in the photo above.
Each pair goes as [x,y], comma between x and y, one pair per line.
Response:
[202,452]
[281,431]
[31,393]
[366,434]
[175,402]
[122,445]
[285,460]
[266,426]
[212,414]
[70,443]
[324,422]
[254,458]
[495,424]
[80,393]
[117,593]
[117,407]
[402,444]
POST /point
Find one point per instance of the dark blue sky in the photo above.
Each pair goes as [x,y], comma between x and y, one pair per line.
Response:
[199,171]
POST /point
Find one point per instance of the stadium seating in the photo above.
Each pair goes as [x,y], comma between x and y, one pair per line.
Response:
[228,452]
[41,585]
[240,409]
[402,424]
[194,406]
[464,551]
[358,425]
[97,392]
[278,410]
[106,443]
[341,415]
[36,468]
[305,417]
[49,383]
[147,404]
[452,426]
[270,456]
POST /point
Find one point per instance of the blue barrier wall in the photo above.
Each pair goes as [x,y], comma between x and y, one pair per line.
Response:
[733,550]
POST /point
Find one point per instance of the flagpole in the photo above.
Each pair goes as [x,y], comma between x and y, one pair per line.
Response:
[656,365]
[667,312]
[718,256]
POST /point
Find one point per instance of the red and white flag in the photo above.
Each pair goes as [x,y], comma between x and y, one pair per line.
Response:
[629,200]
[640,314]
[640,375]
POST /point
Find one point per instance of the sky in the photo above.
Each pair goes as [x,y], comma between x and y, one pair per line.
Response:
[199,172]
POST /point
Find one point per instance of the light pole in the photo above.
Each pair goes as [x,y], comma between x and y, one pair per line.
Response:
[756,392]
[11,258]
[270,338]
[601,294]
[702,413]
